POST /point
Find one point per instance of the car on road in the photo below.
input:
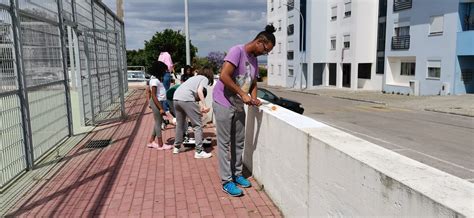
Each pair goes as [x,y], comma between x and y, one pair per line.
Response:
[136,74]
[284,102]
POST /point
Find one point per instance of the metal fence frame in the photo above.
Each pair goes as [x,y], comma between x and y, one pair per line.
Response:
[41,45]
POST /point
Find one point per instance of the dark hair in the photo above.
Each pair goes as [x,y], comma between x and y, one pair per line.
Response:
[186,68]
[207,72]
[157,69]
[267,34]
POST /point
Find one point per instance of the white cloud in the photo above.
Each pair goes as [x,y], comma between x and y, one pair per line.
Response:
[214,25]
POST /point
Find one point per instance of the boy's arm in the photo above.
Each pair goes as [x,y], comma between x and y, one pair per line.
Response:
[226,78]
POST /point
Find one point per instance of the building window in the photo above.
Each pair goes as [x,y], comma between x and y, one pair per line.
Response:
[290,72]
[364,70]
[436,25]
[334,13]
[382,8]
[466,13]
[290,5]
[380,65]
[381,37]
[271,69]
[434,69]
[399,5]
[407,69]
[333,43]
[290,55]
[291,29]
[279,3]
[271,5]
[279,48]
[347,8]
[347,41]
[279,25]
[401,40]
[279,70]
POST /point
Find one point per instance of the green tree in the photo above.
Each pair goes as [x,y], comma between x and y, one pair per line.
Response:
[200,62]
[174,41]
[136,57]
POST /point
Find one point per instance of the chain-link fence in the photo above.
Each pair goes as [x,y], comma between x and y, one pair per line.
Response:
[48,50]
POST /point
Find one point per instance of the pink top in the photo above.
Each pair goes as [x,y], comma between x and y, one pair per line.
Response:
[165,57]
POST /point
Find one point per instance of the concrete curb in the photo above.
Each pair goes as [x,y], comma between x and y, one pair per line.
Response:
[361,100]
[447,112]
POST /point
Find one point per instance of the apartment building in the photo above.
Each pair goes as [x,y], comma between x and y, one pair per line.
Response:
[421,47]
[464,62]
[412,47]
[329,43]
[280,65]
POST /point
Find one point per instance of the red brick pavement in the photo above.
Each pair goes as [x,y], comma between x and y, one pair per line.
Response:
[128,179]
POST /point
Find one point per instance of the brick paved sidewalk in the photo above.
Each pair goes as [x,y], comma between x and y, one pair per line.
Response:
[128,179]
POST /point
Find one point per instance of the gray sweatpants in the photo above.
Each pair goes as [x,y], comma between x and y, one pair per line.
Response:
[192,111]
[230,127]
[156,132]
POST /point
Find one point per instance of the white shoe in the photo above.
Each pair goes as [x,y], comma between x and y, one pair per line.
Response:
[202,154]
[175,150]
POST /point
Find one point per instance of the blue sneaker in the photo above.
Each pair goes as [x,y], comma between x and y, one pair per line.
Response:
[231,189]
[242,181]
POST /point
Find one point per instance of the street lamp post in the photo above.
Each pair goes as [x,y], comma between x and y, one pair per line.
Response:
[301,42]
[186,32]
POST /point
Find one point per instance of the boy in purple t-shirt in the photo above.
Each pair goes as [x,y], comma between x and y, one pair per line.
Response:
[237,86]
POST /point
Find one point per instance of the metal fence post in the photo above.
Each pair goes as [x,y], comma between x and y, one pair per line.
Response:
[66,74]
[121,82]
[96,56]
[88,66]
[23,93]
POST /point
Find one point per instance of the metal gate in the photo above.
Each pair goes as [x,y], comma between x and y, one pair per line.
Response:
[49,48]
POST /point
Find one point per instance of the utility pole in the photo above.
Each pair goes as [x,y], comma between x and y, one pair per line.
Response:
[186,31]
[119,4]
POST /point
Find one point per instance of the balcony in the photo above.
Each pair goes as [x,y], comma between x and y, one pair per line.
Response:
[465,47]
[401,42]
[399,5]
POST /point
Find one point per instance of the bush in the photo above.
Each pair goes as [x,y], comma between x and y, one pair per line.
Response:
[262,72]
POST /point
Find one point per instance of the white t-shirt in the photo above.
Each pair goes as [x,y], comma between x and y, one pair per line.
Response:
[160,88]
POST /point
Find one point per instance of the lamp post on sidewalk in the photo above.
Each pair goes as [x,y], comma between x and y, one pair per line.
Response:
[186,32]
[301,43]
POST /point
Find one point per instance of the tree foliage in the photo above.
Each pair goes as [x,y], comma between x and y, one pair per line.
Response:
[175,44]
[216,59]
[136,57]
[200,62]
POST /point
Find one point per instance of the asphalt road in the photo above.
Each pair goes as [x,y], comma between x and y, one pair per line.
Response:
[443,141]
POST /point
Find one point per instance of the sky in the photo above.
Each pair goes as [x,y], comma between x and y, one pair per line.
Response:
[214,25]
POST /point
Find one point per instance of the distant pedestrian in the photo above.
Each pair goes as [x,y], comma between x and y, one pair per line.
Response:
[188,72]
[189,101]
[237,86]
[157,98]
[165,57]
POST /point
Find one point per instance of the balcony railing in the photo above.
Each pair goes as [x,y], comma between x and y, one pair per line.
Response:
[399,5]
[400,42]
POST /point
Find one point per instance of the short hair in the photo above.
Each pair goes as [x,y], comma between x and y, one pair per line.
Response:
[207,72]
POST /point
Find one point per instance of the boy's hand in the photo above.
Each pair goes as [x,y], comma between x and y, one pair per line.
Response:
[256,102]
[205,110]
[162,112]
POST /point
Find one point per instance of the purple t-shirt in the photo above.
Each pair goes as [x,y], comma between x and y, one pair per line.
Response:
[246,67]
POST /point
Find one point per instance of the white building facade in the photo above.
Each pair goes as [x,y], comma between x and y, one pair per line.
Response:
[277,65]
[420,46]
[339,45]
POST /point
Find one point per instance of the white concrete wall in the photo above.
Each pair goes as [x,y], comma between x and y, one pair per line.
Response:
[310,169]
